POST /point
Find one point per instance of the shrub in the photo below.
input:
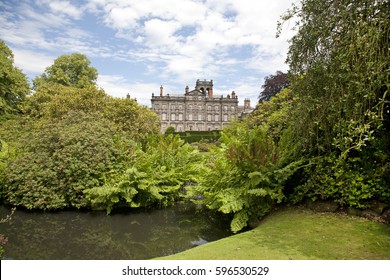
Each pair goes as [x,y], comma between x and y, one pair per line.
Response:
[58,159]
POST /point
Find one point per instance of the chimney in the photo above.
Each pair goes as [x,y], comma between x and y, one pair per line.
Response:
[233,94]
[161,90]
[211,89]
[187,89]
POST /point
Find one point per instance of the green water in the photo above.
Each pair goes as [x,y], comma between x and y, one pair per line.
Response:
[139,234]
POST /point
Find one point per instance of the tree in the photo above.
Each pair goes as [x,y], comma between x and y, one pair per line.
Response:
[170,130]
[339,61]
[69,70]
[14,86]
[273,84]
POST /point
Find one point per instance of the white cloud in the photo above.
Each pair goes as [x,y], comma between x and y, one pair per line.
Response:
[65,7]
[32,62]
[158,28]
[118,86]
[121,18]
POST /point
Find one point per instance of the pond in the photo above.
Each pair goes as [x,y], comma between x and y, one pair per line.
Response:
[134,234]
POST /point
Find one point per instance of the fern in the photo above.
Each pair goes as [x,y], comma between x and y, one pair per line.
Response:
[153,177]
[240,220]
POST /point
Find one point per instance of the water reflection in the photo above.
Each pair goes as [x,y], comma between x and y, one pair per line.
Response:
[137,234]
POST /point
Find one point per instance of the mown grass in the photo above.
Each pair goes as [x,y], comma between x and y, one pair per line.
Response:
[300,234]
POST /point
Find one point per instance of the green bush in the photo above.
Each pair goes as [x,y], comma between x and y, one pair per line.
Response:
[58,159]
[352,182]
[198,136]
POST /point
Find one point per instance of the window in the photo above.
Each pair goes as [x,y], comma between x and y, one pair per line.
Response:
[190,107]
[232,108]
[173,117]
[164,107]
[209,108]
[199,117]
[216,118]
[173,107]
[180,107]
[209,117]
[225,118]
[180,117]
[163,116]
[225,108]
[216,108]
[190,117]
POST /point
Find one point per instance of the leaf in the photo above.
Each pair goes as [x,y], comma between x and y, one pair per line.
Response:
[257,178]
[240,220]
[258,192]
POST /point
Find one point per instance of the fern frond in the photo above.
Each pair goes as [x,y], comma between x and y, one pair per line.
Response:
[240,220]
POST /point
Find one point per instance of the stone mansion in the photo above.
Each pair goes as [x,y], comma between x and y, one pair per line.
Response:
[199,109]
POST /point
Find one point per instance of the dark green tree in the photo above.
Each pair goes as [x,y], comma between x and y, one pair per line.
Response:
[14,86]
[170,130]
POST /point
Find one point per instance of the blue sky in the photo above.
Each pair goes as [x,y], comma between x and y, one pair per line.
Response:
[138,45]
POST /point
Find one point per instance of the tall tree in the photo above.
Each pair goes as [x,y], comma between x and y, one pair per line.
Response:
[273,84]
[339,59]
[69,70]
[13,83]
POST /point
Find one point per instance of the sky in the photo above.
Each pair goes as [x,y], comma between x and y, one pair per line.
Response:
[138,45]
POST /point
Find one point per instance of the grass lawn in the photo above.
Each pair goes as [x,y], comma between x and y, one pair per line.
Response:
[300,234]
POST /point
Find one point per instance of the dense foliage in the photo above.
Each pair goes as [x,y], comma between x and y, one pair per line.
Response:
[57,161]
[13,83]
[69,139]
[339,61]
[155,177]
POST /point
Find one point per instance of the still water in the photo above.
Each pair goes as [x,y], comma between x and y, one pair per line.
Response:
[140,234]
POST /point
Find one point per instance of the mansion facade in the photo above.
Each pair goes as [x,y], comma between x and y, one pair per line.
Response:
[199,109]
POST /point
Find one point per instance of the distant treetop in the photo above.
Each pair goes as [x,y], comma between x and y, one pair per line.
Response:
[273,84]
[69,70]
